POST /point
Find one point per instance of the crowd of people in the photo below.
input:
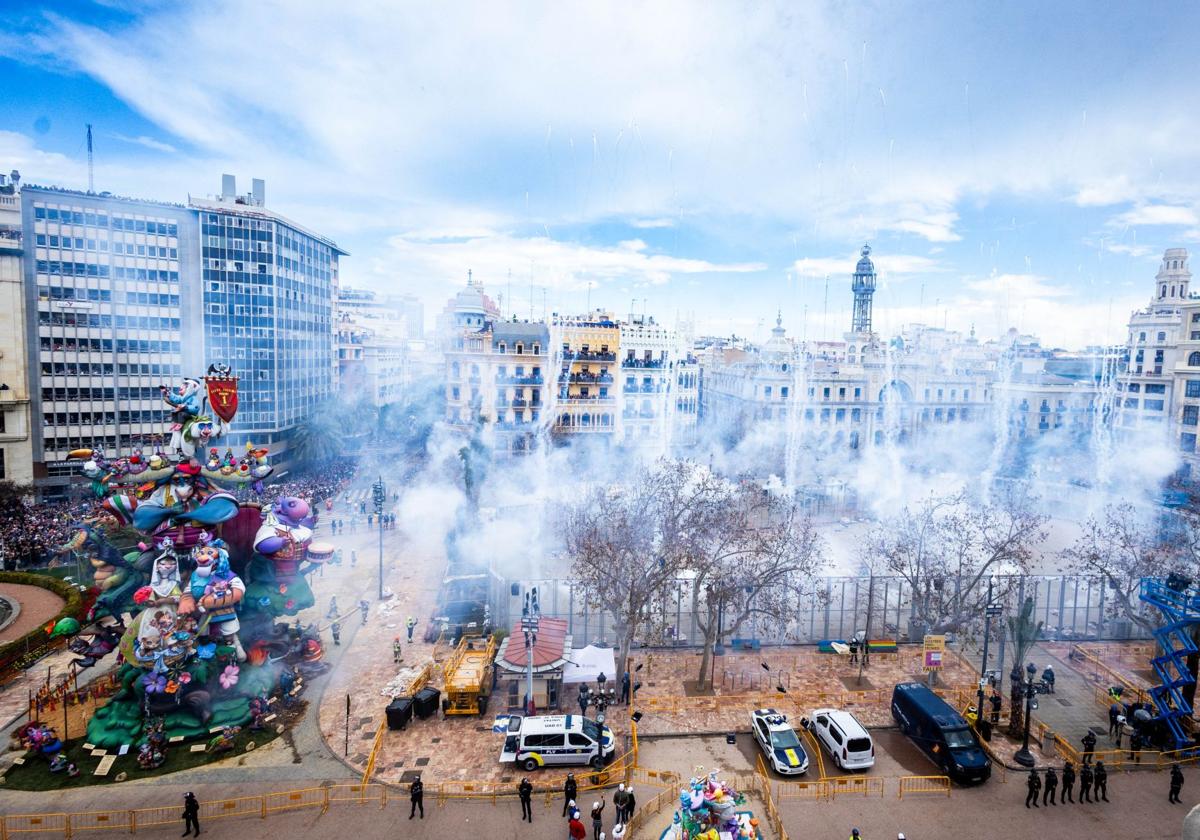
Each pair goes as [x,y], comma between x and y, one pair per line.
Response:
[30,533]
[318,485]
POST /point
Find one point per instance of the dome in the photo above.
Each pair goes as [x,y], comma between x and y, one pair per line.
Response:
[865,266]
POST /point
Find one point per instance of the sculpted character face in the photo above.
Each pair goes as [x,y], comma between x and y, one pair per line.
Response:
[168,567]
[205,558]
[181,486]
[292,508]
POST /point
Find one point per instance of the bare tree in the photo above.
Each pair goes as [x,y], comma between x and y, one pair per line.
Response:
[1024,632]
[756,556]
[627,544]
[1124,545]
[947,547]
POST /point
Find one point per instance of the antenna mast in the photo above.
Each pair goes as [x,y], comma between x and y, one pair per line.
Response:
[91,174]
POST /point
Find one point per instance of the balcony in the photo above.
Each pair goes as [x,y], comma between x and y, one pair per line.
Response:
[520,380]
[648,364]
[519,403]
[586,399]
[588,356]
[586,379]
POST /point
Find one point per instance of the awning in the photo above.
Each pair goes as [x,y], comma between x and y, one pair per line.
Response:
[588,663]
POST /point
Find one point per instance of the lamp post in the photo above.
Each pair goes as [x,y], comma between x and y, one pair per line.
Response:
[530,618]
[379,496]
[1023,756]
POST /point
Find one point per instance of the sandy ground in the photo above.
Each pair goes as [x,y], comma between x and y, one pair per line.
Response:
[37,607]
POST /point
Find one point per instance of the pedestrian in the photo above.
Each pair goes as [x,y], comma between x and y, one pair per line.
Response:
[396,651]
[525,792]
[1048,678]
[625,686]
[619,803]
[1101,782]
[618,832]
[1085,783]
[416,793]
[996,701]
[630,804]
[854,835]
[191,814]
[597,819]
[583,699]
[1176,783]
[1068,782]
[1034,786]
[1135,747]
[1089,746]
[336,630]
[353,558]
[333,610]
[853,651]
[1114,715]
[570,789]
[370,520]
[366,610]
[410,625]
[575,829]
[1051,786]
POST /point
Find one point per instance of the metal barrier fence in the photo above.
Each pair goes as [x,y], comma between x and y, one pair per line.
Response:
[923,784]
[1071,607]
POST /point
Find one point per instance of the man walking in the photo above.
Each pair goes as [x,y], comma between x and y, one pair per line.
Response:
[1048,678]
[1101,782]
[1034,786]
[1089,746]
[411,625]
[416,792]
[1114,720]
[396,651]
[619,804]
[625,687]
[583,699]
[191,814]
[1085,783]
[570,789]
[996,701]
[1068,782]
[525,792]
[630,804]
[597,819]
[1051,786]
[336,630]
[333,610]
[575,829]
[1176,783]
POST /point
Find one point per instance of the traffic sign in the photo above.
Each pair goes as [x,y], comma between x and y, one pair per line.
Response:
[995,610]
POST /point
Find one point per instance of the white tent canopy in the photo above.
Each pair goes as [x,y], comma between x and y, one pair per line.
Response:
[588,663]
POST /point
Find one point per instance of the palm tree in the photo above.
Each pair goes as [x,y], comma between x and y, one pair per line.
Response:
[319,439]
[1024,633]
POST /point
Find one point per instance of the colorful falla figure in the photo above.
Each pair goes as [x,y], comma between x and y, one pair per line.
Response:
[214,591]
[186,401]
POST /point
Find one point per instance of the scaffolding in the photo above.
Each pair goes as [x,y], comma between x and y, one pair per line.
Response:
[1179,603]
[469,677]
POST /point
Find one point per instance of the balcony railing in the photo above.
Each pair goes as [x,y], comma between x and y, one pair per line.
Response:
[586,378]
[520,380]
[642,363]
[588,356]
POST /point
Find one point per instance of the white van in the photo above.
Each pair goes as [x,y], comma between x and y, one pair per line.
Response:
[548,740]
[847,740]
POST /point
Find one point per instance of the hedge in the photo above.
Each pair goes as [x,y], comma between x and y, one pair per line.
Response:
[36,641]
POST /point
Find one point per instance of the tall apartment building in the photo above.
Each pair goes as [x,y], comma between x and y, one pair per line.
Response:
[376,359]
[16,447]
[124,295]
[269,287]
[112,291]
[658,393]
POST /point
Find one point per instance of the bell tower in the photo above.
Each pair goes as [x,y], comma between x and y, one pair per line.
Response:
[1171,282]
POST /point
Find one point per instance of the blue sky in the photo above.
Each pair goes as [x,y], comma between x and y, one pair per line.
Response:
[1019,164]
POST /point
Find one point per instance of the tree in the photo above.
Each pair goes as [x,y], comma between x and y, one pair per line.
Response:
[1024,633]
[320,438]
[948,546]
[1124,545]
[754,554]
[627,544]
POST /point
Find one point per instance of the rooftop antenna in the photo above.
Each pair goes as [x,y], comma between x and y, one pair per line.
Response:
[508,291]
[91,173]
[825,312]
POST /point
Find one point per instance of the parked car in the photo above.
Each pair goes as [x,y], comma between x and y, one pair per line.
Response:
[537,741]
[779,742]
[940,732]
[847,740]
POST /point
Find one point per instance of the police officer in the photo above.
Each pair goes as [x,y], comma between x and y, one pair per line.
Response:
[1176,783]
[1035,787]
[1089,746]
[1101,782]
[525,792]
[1068,782]
[570,789]
[416,793]
[853,650]
[410,625]
[1048,678]
[1085,783]
[1051,786]
[996,701]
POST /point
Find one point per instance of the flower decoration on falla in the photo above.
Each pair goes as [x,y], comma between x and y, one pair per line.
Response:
[229,677]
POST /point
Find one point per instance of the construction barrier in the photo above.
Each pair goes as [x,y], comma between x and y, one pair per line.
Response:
[923,784]
[15,824]
[815,789]
[860,785]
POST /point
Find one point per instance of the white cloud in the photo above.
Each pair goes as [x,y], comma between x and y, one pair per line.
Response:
[1156,214]
[148,142]
[649,224]
[893,266]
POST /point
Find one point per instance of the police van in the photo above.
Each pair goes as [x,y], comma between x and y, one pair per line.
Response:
[548,740]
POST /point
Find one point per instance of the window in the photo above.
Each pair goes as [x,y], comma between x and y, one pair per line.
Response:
[1162,336]
[579,740]
[1156,389]
[1152,405]
[1194,360]
[1187,442]
[1192,388]
[1141,336]
[1191,414]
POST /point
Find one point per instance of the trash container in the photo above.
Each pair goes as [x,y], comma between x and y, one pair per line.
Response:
[426,702]
[399,712]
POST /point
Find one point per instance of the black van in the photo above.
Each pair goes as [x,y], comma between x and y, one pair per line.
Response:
[940,732]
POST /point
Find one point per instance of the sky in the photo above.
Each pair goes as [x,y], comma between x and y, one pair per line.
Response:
[1011,165]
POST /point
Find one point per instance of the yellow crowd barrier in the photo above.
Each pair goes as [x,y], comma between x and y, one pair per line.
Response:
[860,785]
[295,800]
[16,824]
[815,789]
[923,784]
[102,821]
[370,768]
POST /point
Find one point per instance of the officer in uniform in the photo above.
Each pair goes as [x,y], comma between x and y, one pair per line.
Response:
[1068,781]
[1176,783]
[1101,782]
[1035,787]
[1085,783]
[1051,786]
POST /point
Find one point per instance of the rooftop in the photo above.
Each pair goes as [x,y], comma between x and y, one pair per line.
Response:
[551,650]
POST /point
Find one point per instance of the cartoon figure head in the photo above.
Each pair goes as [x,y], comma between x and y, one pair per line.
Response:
[210,557]
[291,509]
[204,430]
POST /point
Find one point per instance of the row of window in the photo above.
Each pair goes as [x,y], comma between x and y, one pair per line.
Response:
[77,243]
[118,222]
[57,268]
[84,319]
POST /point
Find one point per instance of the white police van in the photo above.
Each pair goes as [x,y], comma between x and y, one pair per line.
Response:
[779,742]
[548,740]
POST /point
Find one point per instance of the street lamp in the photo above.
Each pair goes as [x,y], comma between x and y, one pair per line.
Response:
[1023,756]
[531,615]
[379,492]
